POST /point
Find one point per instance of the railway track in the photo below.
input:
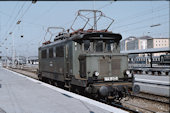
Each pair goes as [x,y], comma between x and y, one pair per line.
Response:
[119,105]
[151,99]
[124,108]
[133,108]
[138,109]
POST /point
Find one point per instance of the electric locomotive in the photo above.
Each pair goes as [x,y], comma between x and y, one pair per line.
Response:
[87,61]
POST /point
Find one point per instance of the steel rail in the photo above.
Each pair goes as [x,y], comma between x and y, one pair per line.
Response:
[151,99]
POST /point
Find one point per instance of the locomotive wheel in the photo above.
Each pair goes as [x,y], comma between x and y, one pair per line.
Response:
[60,84]
[50,81]
[43,79]
[40,77]
[72,89]
[55,83]
[77,91]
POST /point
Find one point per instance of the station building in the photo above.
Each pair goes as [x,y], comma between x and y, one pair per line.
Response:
[144,42]
[158,43]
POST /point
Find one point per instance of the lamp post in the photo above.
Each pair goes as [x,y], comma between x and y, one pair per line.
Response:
[6,57]
[13,50]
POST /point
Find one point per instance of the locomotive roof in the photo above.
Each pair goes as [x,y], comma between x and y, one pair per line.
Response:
[99,36]
[86,36]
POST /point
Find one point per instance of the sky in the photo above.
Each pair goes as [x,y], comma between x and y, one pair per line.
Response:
[131,18]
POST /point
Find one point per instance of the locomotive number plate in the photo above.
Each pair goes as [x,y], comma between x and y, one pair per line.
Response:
[110,78]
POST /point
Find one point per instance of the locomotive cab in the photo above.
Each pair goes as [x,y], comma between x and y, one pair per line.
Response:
[102,64]
[101,56]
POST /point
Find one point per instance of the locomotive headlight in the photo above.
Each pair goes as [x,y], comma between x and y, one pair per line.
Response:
[127,72]
[96,73]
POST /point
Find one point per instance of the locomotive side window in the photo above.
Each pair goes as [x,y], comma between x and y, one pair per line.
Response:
[108,46]
[60,51]
[86,45]
[51,53]
[99,46]
[44,54]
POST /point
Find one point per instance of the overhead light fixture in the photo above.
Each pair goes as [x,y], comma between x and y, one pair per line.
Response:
[155,25]
[19,21]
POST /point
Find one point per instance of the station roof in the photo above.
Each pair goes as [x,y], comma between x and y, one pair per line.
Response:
[151,50]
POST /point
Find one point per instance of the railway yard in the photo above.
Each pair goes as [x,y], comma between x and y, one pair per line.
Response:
[143,102]
[85,65]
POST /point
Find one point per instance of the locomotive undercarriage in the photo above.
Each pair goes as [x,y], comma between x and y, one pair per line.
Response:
[109,91]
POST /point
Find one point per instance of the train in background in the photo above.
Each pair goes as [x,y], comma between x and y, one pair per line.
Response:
[165,60]
[159,60]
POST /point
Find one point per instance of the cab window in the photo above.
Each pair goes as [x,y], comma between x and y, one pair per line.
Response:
[99,46]
[86,45]
[108,46]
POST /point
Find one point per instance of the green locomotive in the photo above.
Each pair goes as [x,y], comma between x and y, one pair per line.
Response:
[87,61]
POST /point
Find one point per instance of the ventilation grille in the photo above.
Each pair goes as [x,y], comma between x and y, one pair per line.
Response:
[104,67]
[115,64]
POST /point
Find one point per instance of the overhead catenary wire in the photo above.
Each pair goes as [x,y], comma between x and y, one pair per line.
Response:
[11,30]
[19,20]
[12,23]
[145,12]
[25,11]
[141,27]
[10,17]
[44,35]
[141,14]
[22,15]
[158,33]
[139,22]
[45,12]
[40,25]
[35,24]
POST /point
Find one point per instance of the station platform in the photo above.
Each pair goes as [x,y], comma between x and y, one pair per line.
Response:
[21,94]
